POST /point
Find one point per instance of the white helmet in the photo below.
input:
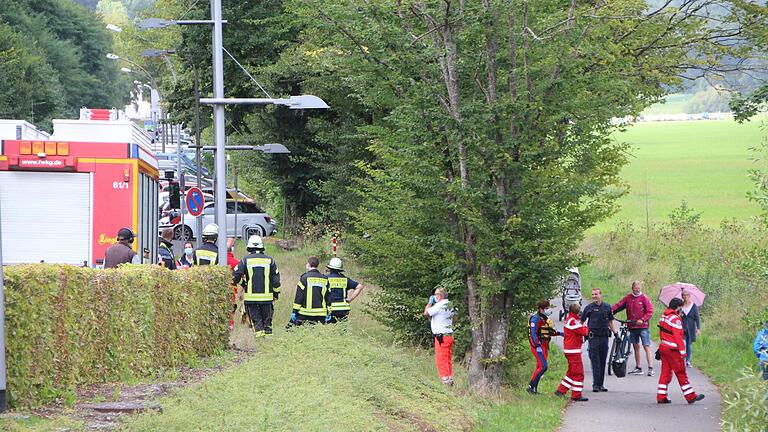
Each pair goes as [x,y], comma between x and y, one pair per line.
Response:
[211,230]
[335,264]
[254,242]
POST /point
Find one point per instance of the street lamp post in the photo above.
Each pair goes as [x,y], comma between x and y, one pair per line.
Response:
[3,400]
[218,101]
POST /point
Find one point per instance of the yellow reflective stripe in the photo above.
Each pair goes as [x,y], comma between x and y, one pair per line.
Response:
[296,306]
[258,297]
[336,282]
[338,306]
[250,265]
[313,312]
[202,253]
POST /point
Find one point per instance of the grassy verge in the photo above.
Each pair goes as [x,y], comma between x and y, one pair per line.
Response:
[334,378]
[329,378]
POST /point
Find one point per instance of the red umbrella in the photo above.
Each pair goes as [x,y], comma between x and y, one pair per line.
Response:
[676,290]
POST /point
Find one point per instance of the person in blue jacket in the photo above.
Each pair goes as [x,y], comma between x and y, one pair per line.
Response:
[760,347]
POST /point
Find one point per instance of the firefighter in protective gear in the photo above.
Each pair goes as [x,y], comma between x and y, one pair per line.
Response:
[261,285]
[343,290]
[540,331]
[208,252]
[672,351]
[313,298]
[165,251]
[574,334]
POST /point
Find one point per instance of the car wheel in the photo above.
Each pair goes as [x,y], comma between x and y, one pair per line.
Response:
[249,231]
[182,233]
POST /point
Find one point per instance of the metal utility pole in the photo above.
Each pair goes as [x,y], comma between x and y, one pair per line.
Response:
[199,219]
[219,136]
[3,399]
[182,186]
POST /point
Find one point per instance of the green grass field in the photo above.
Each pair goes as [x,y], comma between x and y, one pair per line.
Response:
[702,162]
[673,104]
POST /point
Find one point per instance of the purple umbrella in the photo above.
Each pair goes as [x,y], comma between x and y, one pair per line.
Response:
[676,290]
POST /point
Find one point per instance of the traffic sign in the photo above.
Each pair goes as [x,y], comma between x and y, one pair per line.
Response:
[195,201]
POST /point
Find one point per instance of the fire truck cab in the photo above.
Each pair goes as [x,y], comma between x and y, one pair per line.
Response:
[64,197]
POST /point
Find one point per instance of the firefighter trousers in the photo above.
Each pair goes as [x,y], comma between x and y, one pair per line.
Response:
[444,356]
[574,377]
[261,316]
[673,362]
[541,364]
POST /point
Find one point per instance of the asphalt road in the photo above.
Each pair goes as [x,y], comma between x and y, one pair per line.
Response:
[630,402]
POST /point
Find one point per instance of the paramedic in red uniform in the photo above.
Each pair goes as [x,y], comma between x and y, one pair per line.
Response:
[672,350]
[574,334]
[540,331]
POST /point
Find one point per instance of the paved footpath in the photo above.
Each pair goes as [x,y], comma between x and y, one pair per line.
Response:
[630,402]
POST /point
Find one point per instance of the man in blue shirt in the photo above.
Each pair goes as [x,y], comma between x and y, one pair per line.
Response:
[599,319]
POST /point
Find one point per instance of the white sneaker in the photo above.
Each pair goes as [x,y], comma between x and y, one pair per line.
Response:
[636,371]
[650,372]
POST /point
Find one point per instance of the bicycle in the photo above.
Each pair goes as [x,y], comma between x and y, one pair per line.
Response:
[620,350]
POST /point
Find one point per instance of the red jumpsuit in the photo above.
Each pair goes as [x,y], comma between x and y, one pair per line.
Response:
[672,350]
[574,332]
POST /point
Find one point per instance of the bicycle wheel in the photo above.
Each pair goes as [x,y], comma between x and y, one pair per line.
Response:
[613,354]
[620,355]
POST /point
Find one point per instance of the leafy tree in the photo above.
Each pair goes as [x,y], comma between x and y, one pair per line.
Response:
[495,153]
[324,145]
[73,42]
[30,89]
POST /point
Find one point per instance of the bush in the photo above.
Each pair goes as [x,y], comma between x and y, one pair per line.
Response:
[746,408]
[71,325]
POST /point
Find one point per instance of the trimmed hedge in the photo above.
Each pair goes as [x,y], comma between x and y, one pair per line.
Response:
[70,325]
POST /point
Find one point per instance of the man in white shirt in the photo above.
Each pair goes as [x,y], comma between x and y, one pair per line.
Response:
[440,313]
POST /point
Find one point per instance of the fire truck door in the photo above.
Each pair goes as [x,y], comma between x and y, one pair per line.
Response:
[45,217]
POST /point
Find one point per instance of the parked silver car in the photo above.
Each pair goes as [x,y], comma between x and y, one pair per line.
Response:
[248,220]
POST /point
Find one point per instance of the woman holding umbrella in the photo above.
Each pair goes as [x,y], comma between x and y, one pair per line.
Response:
[693,298]
[691,324]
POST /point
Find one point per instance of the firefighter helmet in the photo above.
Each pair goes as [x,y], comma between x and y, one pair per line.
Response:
[211,230]
[125,234]
[335,264]
[255,242]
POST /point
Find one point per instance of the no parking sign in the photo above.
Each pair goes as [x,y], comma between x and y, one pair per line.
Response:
[195,201]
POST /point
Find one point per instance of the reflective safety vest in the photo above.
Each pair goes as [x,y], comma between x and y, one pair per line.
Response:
[312,294]
[340,286]
[261,276]
[207,254]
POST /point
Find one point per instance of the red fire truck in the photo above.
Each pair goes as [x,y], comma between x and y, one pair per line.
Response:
[63,199]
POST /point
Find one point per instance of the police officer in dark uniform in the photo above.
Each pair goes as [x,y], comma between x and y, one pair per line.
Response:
[599,319]
[165,250]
